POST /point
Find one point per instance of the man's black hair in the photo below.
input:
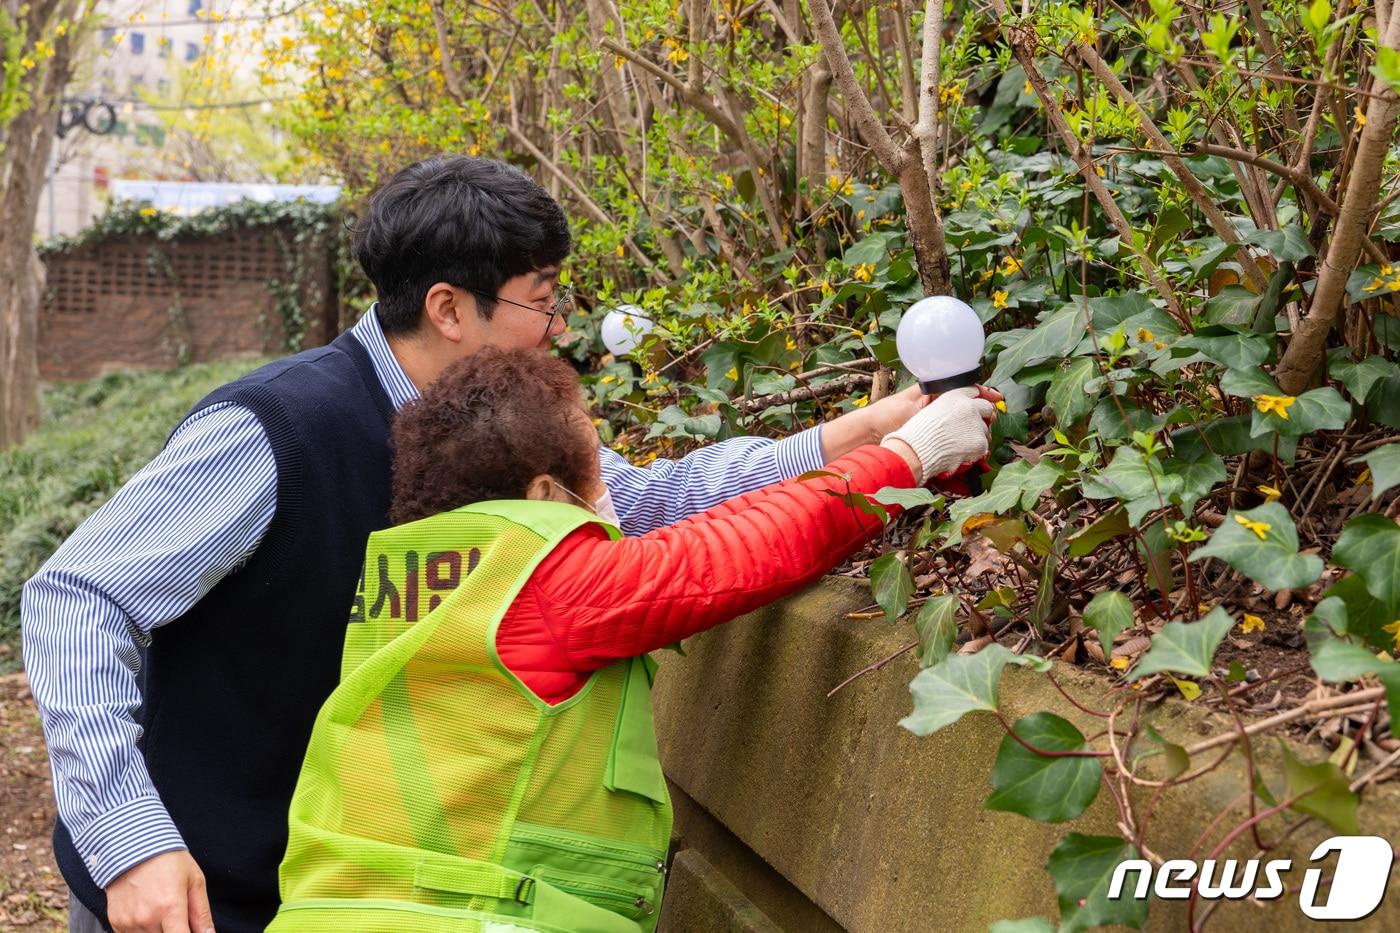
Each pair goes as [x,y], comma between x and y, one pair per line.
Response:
[469,222]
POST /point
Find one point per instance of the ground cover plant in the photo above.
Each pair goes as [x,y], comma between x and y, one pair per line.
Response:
[93,436]
[1178,224]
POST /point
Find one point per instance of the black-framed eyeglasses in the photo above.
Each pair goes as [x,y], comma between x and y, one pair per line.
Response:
[561,306]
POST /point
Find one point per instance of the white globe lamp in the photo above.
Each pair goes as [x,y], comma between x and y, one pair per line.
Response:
[623,329]
[940,341]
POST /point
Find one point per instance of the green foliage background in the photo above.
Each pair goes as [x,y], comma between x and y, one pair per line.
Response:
[93,437]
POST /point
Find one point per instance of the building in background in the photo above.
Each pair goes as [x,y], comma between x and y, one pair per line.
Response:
[171,70]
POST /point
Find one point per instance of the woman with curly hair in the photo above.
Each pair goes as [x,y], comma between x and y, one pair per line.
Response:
[489,759]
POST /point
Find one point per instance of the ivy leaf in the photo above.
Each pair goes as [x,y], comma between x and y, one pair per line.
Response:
[961,684]
[1383,405]
[937,628]
[1338,661]
[1067,397]
[1328,796]
[1248,382]
[1198,478]
[1051,789]
[1365,616]
[1138,482]
[1082,868]
[859,500]
[1017,484]
[1227,437]
[891,585]
[1360,378]
[1384,464]
[1175,758]
[1289,244]
[1315,410]
[908,498]
[1272,560]
[1104,528]
[1053,338]
[1111,613]
[1185,647]
[1370,545]
[1231,347]
[1026,925]
[873,250]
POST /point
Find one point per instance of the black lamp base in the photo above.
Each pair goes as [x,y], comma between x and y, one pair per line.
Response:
[961,380]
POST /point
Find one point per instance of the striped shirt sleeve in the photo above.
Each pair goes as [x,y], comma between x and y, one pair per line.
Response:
[175,529]
[670,490]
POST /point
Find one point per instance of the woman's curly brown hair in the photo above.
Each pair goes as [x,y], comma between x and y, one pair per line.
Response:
[489,424]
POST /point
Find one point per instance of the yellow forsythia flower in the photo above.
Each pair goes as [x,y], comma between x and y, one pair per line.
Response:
[1360,117]
[1000,406]
[862,401]
[1270,493]
[1011,265]
[1146,335]
[1259,528]
[791,344]
[1189,688]
[1119,664]
[621,251]
[1278,404]
[999,298]
[149,212]
[864,272]
[1030,91]
[1394,629]
[733,373]
[1251,623]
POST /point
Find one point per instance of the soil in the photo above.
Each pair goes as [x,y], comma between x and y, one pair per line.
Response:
[33,897]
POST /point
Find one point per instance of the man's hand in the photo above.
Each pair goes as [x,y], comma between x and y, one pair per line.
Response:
[164,894]
[869,425]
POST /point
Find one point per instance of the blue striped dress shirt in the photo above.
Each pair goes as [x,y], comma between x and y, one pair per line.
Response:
[189,517]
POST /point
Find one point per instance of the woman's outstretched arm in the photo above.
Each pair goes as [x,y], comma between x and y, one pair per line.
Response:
[594,601]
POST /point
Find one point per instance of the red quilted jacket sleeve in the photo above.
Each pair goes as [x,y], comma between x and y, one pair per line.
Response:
[593,601]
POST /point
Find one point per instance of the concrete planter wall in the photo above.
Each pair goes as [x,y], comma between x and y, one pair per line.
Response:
[798,813]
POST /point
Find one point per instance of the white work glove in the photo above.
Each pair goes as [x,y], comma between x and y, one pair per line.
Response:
[948,433]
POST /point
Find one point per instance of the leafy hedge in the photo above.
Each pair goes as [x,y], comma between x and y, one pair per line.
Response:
[94,436]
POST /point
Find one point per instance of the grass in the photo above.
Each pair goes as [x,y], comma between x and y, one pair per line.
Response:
[93,436]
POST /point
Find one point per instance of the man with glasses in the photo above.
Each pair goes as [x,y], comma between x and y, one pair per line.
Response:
[181,641]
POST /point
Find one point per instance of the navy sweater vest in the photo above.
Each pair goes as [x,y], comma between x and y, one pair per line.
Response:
[231,689]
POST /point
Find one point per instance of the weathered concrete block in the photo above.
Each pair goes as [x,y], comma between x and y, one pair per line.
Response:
[886,831]
[699,899]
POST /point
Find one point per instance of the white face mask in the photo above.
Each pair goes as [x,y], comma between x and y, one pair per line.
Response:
[601,507]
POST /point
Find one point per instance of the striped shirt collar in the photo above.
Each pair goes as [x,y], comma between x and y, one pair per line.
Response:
[395,381]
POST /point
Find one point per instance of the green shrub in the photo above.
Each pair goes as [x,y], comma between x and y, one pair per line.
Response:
[93,437]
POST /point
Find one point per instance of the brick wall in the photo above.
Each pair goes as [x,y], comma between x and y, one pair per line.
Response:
[136,302]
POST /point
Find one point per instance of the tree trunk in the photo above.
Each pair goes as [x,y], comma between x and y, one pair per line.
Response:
[26,142]
[925,229]
[811,152]
[1359,204]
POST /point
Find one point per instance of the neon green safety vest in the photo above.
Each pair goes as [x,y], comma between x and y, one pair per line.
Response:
[438,793]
